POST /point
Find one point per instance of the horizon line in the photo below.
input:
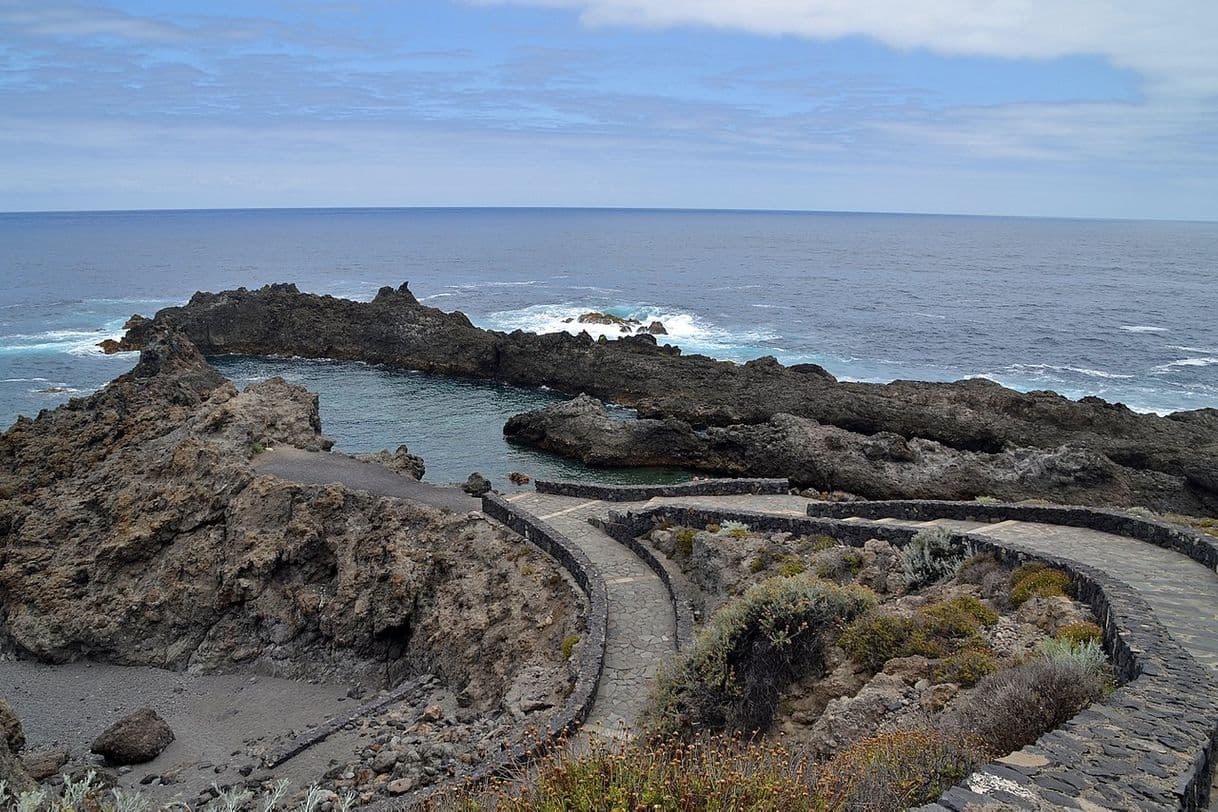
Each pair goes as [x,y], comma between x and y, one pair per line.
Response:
[604,208]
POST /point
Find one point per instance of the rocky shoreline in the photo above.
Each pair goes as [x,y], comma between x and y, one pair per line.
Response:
[1088,450]
[139,537]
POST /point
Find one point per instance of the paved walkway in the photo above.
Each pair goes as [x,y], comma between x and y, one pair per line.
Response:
[642,628]
[641,635]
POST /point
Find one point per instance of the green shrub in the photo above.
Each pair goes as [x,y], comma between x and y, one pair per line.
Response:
[814,544]
[977,568]
[1014,707]
[1078,633]
[838,561]
[966,667]
[987,500]
[736,530]
[895,771]
[932,555]
[1037,581]
[749,650]
[791,567]
[956,618]
[759,562]
[712,528]
[257,448]
[568,645]
[684,542]
[713,773]
[876,638]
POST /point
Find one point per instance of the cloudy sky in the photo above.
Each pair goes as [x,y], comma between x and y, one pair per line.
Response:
[1094,108]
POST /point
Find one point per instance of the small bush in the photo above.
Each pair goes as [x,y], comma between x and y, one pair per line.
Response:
[838,561]
[712,528]
[895,771]
[257,448]
[736,530]
[1037,581]
[716,773]
[987,500]
[749,650]
[568,645]
[976,569]
[814,544]
[876,638]
[791,567]
[956,618]
[931,556]
[966,667]
[759,562]
[1080,633]
[684,542]
[1014,707]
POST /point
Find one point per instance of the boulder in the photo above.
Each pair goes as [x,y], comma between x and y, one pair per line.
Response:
[476,485]
[10,727]
[134,739]
[656,328]
[400,461]
[45,763]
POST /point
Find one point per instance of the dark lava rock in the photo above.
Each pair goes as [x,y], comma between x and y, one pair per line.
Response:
[134,739]
[476,485]
[970,416]
[826,458]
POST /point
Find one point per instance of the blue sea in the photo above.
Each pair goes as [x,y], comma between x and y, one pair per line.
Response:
[1120,309]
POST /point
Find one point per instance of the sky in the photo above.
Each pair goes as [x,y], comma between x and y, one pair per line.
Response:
[1075,108]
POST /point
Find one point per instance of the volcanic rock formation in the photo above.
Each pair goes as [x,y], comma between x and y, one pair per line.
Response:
[134,530]
[827,458]
[660,382]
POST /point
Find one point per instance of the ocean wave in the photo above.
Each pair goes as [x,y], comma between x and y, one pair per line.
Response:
[1142,328]
[1047,371]
[686,330]
[1202,350]
[72,342]
[1171,366]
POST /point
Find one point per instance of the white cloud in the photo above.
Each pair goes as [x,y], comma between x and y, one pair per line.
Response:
[1169,42]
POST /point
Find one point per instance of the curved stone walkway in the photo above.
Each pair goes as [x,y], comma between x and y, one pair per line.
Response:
[642,627]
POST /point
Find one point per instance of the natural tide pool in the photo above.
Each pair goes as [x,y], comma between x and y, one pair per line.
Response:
[455,425]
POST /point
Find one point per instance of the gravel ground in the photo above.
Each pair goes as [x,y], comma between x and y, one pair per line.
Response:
[223,722]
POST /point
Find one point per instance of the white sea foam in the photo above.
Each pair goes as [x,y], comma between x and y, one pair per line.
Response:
[1050,370]
[73,342]
[1142,328]
[684,329]
[1186,362]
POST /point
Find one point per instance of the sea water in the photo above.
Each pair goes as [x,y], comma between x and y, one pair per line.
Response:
[1120,309]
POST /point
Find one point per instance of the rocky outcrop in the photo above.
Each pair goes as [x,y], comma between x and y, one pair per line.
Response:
[476,484]
[134,739]
[661,382]
[827,458]
[134,530]
[400,461]
[12,738]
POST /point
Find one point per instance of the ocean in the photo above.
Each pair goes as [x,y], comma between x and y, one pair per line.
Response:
[1120,309]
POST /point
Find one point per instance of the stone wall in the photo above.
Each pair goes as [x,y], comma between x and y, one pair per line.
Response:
[591,650]
[1149,745]
[1196,545]
[641,493]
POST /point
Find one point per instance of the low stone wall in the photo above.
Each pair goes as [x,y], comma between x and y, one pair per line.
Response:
[1198,546]
[591,650]
[682,603]
[1149,745]
[641,493]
